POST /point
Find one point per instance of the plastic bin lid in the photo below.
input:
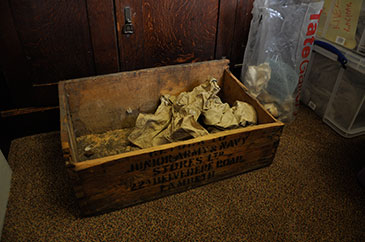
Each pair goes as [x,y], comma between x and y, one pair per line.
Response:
[355,61]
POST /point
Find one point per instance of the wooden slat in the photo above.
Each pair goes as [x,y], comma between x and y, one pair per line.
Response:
[103,35]
[68,140]
[241,30]
[226,24]
[22,111]
[65,141]
[131,47]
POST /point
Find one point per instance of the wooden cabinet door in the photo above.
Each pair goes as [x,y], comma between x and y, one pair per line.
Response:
[167,32]
[45,41]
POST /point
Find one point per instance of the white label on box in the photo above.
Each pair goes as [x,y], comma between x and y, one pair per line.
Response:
[340,40]
[312,105]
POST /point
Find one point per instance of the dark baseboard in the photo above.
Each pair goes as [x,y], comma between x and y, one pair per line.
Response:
[26,121]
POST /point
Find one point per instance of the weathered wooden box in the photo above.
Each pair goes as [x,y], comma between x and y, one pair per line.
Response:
[98,104]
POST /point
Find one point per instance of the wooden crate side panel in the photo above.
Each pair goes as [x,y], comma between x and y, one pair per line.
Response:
[65,143]
[68,140]
[234,90]
[98,104]
[128,181]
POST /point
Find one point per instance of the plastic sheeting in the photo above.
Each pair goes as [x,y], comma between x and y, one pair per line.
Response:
[278,51]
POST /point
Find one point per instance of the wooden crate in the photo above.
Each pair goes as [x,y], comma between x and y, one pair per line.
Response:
[98,104]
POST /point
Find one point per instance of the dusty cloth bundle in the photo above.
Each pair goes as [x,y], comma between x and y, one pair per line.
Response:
[177,117]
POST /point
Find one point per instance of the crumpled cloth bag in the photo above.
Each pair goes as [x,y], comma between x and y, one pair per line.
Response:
[177,117]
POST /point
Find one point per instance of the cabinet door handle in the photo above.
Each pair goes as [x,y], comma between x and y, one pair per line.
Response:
[128,26]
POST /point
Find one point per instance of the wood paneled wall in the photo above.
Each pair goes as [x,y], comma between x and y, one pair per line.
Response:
[45,41]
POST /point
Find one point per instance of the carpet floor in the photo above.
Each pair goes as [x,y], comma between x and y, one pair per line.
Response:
[309,193]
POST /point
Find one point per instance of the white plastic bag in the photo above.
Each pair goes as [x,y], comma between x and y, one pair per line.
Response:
[278,51]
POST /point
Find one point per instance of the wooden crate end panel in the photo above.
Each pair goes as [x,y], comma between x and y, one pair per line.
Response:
[65,143]
[68,140]
[234,90]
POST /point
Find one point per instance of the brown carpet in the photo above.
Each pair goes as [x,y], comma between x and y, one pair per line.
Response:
[309,193]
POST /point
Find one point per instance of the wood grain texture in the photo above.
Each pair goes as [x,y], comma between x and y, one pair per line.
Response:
[103,36]
[98,104]
[130,178]
[241,30]
[179,31]
[55,38]
[135,179]
[131,47]
[67,133]
[167,32]
[226,24]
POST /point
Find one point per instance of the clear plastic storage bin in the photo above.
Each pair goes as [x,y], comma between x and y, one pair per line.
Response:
[335,93]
